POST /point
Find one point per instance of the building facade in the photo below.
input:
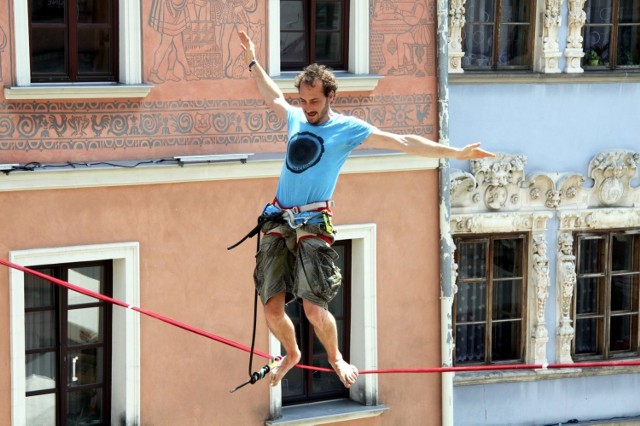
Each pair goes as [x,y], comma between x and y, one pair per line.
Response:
[546,233]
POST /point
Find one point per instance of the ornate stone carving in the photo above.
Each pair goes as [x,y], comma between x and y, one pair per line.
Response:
[612,172]
[550,48]
[456,24]
[566,285]
[553,190]
[573,52]
[500,177]
[540,335]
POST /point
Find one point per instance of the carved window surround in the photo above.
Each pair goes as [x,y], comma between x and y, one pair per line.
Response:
[497,197]
[547,50]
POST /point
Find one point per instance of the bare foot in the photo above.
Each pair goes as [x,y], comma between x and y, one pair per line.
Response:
[282,367]
[347,373]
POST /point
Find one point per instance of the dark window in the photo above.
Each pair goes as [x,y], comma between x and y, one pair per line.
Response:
[73,40]
[612,34]
[300,385]
[490,303]
[314,31]
[68,346]
[606,295]
[498,35]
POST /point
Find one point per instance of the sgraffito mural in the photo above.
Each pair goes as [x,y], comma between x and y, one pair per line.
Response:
[193,44]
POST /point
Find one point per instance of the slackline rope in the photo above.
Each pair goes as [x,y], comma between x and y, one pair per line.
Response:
[242,347]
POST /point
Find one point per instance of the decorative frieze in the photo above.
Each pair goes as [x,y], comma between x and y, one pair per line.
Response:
[612,172]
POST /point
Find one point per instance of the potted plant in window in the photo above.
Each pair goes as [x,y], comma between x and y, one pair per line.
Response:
[592,58]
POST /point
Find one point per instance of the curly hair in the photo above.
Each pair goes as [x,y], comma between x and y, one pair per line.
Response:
[314,72]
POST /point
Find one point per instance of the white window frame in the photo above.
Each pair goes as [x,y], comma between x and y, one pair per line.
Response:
[363,325]
[125,399]
[356,79]
[130,60]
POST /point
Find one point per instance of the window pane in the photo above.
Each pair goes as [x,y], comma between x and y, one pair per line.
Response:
[471,302]
[94,50]
[621,252]
[328,47]
[40,371]
[90,278]
[621,331]
[505,341]
[47,11]
[629,45]
[85,407]
[624,292]
[480,11]
[514,45]
[41,410]
[325,382]
[591,253]
[291,15]
[85,326]
[629,11]
[328,15]
[293,47]
[40,330]
[38,293]
[598,40]
[587,296]
[514,11]
[598,11]
[470,343]
[478,45]
[587,335]
[48,53]
[507,299]
[507,258]
[94,11]
[293,383]
[473,260]
[85,367]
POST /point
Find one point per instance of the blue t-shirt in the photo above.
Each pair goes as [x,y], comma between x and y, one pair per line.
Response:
[315,155]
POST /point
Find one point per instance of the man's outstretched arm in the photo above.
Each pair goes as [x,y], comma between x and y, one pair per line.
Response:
[418,145]
[270,92]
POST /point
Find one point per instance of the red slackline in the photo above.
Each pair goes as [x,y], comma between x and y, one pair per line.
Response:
[308,367]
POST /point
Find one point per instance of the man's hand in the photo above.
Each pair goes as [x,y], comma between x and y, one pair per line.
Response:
[248,47]
[472,152]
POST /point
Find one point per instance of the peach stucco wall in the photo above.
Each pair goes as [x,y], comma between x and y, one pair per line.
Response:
[187,274]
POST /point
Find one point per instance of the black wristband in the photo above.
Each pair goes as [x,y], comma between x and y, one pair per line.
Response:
[251,64]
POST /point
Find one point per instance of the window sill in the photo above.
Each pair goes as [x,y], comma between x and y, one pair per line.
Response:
[504,376]
[587,77]
[326,412]
[347,82]
[76,91]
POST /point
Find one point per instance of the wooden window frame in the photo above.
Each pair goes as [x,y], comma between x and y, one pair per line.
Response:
[604,312]
[489,240]
[614,26]
[310,31]
[61,309]
[71,65]
[497,30]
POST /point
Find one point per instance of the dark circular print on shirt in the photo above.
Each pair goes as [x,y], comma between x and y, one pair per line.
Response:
[304,151]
